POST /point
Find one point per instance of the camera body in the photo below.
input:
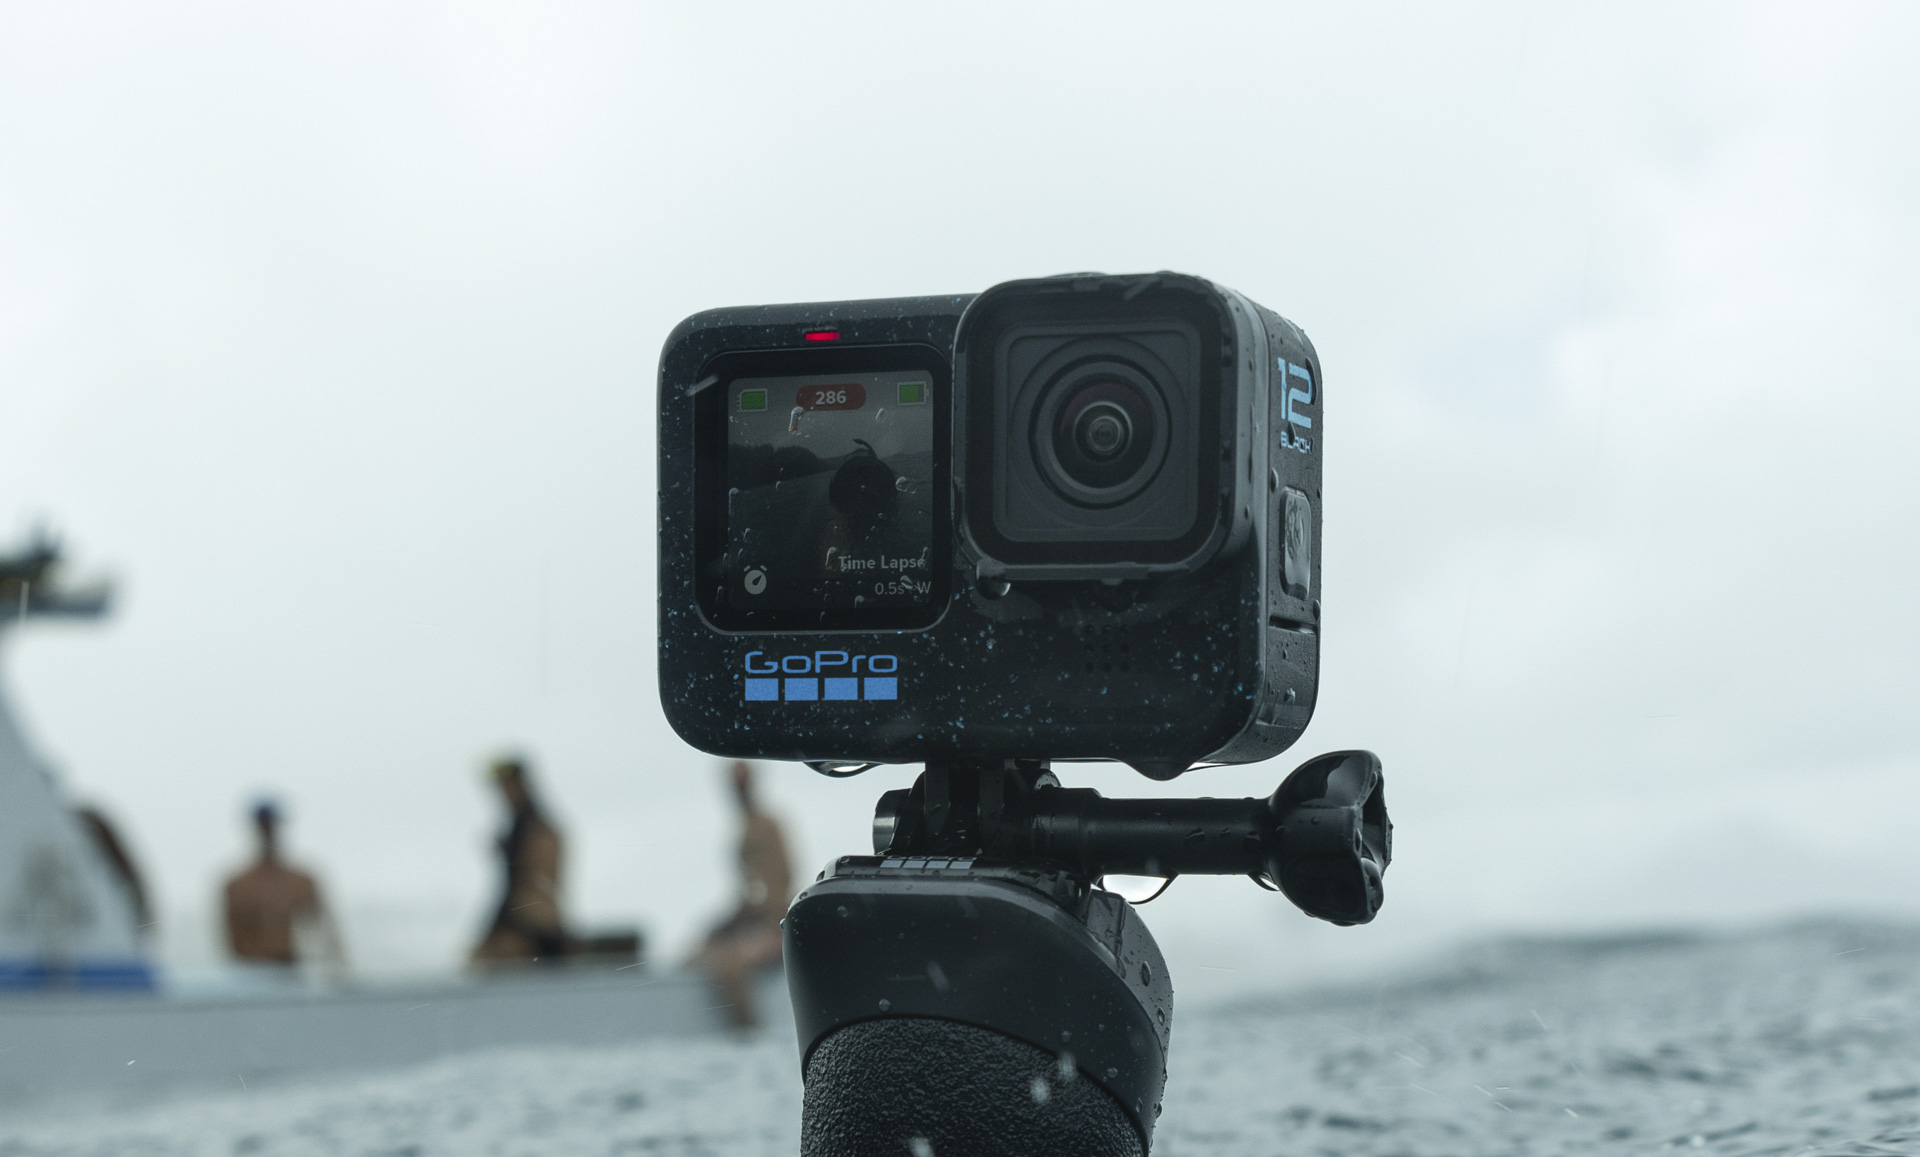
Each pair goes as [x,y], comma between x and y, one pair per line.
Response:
[1068,518]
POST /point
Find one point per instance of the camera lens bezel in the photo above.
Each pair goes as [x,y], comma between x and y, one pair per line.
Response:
[1025,512]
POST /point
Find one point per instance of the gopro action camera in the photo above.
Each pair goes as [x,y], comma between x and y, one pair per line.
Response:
[1068,518]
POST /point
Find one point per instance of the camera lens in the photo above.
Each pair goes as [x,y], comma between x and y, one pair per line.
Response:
[1100,433]
[1103,430]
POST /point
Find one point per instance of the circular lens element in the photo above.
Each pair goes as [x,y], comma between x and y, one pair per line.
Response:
[1100,432]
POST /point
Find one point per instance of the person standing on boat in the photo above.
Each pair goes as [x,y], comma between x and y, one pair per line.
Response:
[528,926]
[747,942]
[275,913]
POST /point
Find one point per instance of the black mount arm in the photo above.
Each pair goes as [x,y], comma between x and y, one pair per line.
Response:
[1323,838]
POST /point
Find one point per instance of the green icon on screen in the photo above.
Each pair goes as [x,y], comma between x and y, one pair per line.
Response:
[912,393]
[753,399]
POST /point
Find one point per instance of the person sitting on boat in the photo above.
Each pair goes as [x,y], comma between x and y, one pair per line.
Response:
[274,911]
[527,927]
[747,942]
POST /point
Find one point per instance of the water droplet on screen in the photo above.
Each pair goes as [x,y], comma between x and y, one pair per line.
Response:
[903,484]
[885,1004]
[1040,1090]
[1112,1072]
[880,415]
[843,911]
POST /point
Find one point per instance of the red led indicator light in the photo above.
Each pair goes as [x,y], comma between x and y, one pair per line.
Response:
[823,335]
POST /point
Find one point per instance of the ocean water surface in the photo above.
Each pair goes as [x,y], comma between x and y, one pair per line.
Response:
[1801,1041]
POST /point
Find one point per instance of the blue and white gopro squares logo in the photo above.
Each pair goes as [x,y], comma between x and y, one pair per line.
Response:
[828,675]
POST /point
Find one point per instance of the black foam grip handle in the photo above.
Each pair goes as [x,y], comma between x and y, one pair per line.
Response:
[875,1085]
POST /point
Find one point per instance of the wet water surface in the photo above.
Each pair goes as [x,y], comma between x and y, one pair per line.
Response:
[1797,1042]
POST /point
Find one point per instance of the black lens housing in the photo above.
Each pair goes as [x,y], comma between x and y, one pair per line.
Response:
[1093,413]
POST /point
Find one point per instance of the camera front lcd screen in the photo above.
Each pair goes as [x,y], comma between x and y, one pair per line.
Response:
[830,492]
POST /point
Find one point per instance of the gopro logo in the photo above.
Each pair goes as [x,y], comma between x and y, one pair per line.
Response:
[829,675]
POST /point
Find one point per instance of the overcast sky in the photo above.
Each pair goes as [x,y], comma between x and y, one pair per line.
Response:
[330,334]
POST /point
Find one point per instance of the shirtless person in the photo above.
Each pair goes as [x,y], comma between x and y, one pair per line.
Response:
[275,915]
[748,941]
